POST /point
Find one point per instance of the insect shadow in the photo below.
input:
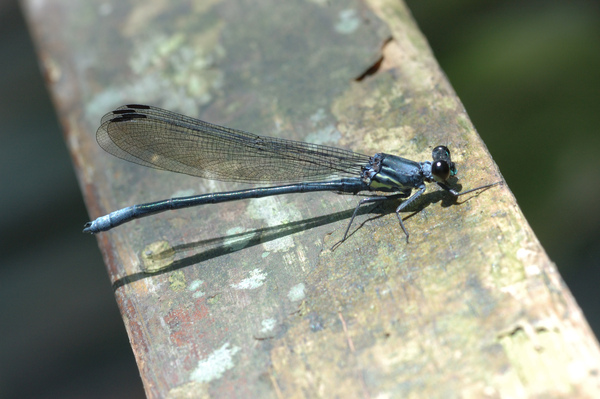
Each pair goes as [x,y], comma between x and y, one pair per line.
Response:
[179,257]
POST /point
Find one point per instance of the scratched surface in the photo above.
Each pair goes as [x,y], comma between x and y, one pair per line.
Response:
[247,299]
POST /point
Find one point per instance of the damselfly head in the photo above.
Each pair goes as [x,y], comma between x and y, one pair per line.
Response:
[442,167]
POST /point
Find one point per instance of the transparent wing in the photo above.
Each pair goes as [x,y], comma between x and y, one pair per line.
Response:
[166,140]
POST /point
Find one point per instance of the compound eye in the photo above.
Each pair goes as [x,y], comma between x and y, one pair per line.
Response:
[440,152]
[440,170]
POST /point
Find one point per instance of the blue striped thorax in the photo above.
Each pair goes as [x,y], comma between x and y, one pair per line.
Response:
[391,173]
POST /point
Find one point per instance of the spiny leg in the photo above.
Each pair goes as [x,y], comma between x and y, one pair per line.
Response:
[366,201]
[404,205]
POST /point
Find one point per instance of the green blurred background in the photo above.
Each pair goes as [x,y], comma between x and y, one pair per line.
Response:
[526,71]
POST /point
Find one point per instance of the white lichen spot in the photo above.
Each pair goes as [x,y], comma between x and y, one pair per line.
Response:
[183,193]
[318,116]
[528,258]
[195,288]
[256,279]
[236,239]
[215,364]
[532,270]
[525,255]
[296,293]
[328,135]
[348,22]
[275,214]
[105,9]
[322,3]
[268,325]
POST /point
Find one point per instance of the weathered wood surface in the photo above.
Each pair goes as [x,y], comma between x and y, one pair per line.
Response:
[247,299]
